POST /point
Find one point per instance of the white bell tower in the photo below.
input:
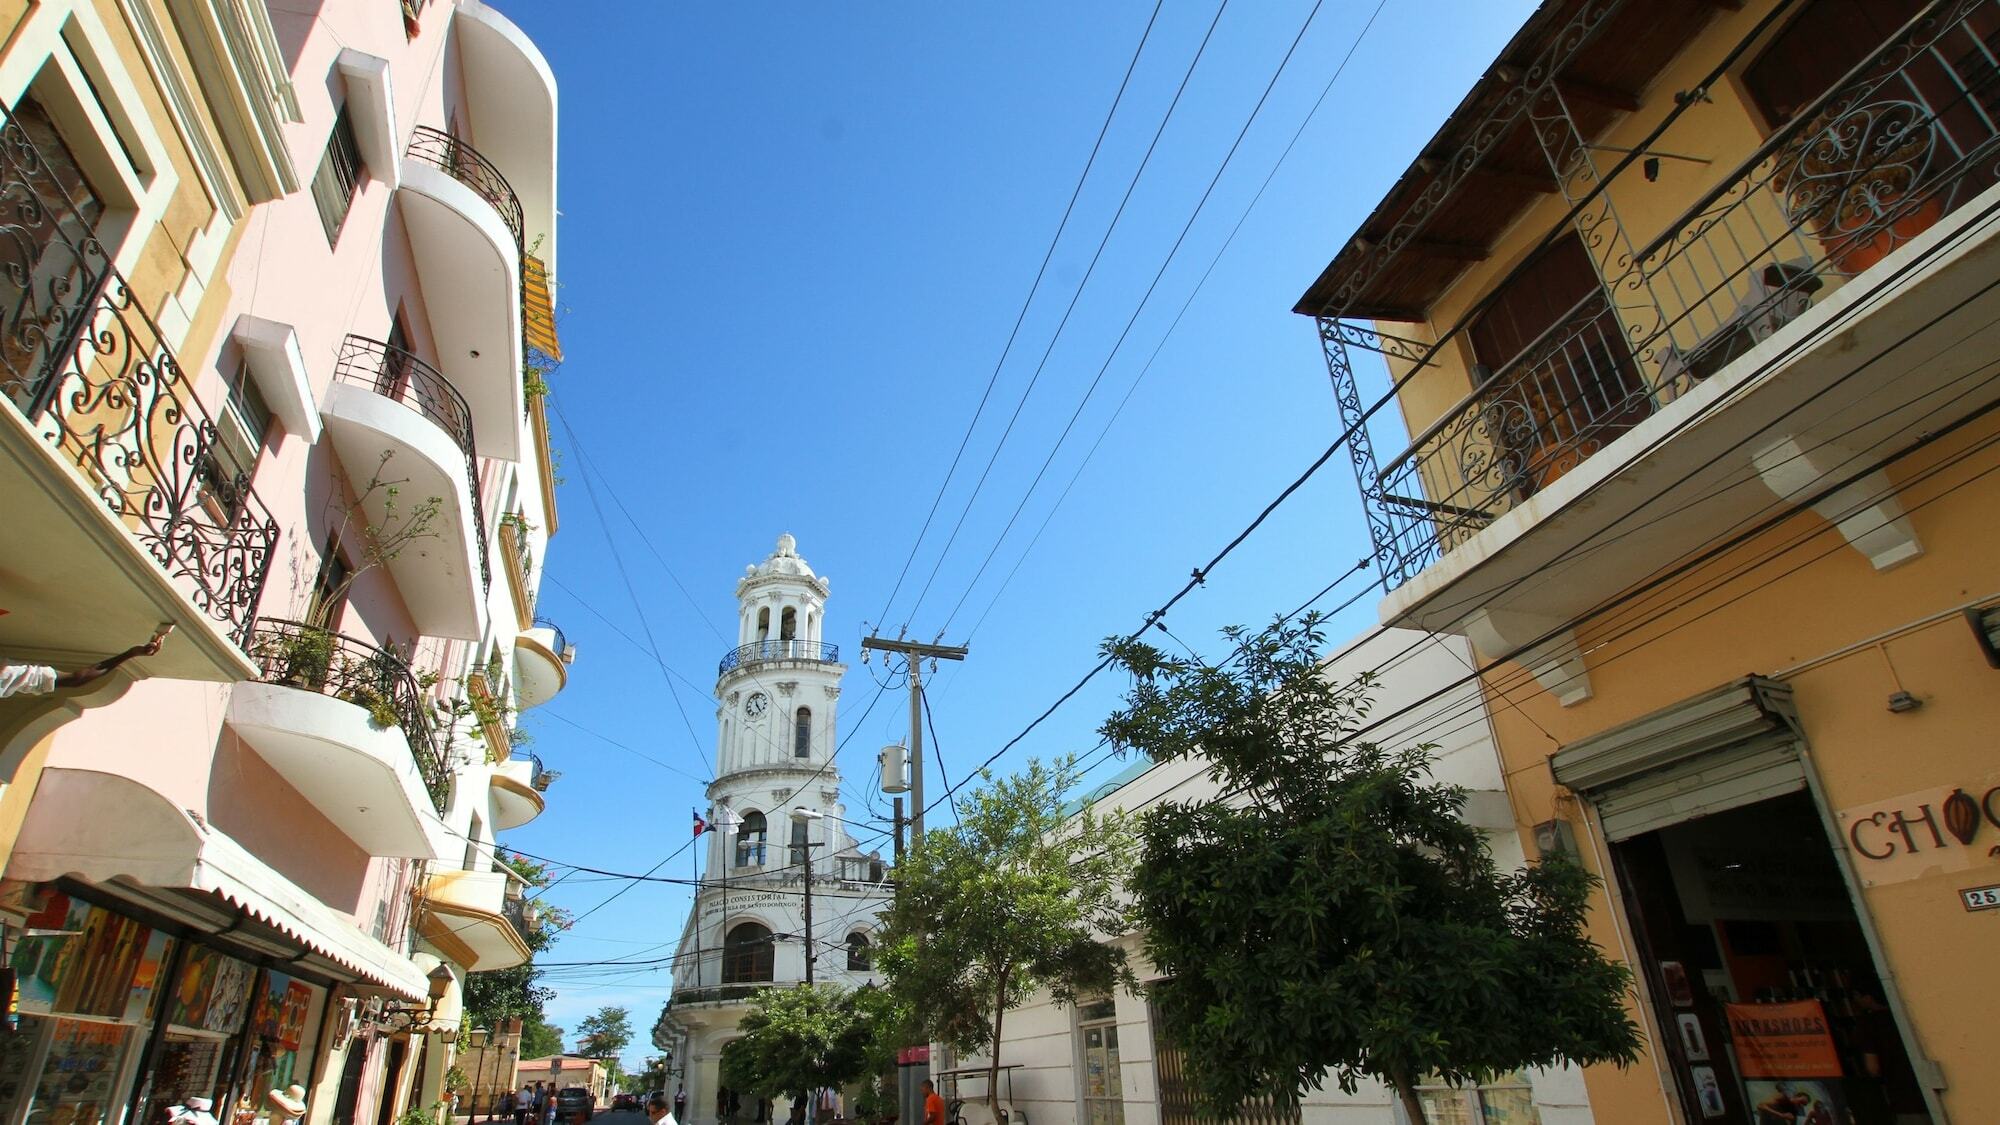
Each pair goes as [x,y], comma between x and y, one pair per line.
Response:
[780,831]
[778,692]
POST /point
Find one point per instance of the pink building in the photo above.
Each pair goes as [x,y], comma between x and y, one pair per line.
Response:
[276,378]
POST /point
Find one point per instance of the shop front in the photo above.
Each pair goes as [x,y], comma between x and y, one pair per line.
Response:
[145,979]
[117,1017]
[1763,975]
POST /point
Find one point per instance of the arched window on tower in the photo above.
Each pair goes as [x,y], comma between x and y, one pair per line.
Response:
[802,733]
[764,624]
[788,625]
[750,840]
[858,959]
[800,853]
[747,954]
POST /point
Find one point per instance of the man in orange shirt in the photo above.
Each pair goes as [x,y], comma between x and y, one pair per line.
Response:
[933,1105]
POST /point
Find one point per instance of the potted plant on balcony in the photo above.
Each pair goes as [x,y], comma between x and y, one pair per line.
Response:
[298,656]
[1847,179]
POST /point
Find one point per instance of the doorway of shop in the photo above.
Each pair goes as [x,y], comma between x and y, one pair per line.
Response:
[392,1069]
[1768,996]
[350,1082]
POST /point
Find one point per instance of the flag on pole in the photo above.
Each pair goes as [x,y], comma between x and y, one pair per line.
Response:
[700,825]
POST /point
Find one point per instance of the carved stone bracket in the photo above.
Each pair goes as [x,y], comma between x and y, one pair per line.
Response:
[1555,660]
[1867,511]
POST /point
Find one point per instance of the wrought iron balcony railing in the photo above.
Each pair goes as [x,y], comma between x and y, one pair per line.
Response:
[561,642]
[90,371]
[443,151]
[1903,139]
[521,913]
[759,652]
[397,374]
[378,680]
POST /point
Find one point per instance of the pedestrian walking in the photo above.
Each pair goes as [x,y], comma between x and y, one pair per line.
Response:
[524,1104]
[933,1104]
[657,1111]
[681,1103]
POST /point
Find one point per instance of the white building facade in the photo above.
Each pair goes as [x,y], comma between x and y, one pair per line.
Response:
[1100,1063]
[777,821]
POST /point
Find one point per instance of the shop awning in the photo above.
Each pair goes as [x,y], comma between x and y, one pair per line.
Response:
[1722,749]
[109,830]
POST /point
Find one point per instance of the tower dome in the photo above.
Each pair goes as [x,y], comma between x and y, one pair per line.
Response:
[784,560]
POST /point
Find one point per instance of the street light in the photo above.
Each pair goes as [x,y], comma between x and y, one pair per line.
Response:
[475,1040]
[812,955]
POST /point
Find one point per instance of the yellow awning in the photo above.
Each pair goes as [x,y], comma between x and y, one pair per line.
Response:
[538,310]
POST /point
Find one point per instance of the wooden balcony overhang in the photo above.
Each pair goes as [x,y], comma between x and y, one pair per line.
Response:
[1390,270]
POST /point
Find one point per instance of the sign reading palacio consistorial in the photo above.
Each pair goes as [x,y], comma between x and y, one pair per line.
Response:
[1931,832]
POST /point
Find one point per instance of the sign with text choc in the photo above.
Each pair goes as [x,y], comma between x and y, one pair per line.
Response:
[1930,832]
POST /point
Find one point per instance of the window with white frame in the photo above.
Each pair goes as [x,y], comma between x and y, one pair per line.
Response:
[1507,1099]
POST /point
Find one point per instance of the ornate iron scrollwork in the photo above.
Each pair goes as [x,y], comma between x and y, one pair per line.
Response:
[91,372]
[378,680]
[397,374]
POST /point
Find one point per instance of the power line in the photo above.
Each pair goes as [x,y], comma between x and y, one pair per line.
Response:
[1022,316]
[618,560]
[1200,573]
[1147,367]
[1089,270]
[1139,309]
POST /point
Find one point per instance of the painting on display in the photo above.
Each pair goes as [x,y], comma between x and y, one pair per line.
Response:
[77,959]
[213,993]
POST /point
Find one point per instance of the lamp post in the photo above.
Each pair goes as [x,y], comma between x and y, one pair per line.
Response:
[476,1040]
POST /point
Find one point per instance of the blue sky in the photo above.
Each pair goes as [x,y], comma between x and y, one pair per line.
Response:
[795,239]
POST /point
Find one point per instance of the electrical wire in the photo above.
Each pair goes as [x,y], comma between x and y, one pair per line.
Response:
[1034,288]
[1089,270]
[1138,310]
[1179,315]
[1200,573]
[618,561]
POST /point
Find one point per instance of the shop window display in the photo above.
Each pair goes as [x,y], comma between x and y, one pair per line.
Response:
[1760,971]
[1506,1100]
[85,980]
[91,984]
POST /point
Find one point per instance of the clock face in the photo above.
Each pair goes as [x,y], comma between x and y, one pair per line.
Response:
[756,704]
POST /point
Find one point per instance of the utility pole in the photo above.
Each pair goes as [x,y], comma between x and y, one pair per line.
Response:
[917,652]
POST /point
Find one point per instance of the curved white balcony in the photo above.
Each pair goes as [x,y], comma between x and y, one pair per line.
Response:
[346,726]
[508,81]
[476,919]
[517,796]
[440,574]
[542,657]
[464,228]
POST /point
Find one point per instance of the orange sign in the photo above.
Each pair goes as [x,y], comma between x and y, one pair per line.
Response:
[1787,1040]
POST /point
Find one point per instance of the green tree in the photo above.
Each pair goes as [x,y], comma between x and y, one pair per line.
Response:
[492,998]
[604,1033]
[796,1040]
[1336,914]
[1020,896]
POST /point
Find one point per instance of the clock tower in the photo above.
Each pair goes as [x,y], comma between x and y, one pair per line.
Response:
[777,827]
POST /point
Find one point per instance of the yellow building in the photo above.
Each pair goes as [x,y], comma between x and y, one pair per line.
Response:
[1689,310]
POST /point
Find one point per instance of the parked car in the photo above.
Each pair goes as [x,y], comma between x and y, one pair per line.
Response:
[572,1101]
[625,1101]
